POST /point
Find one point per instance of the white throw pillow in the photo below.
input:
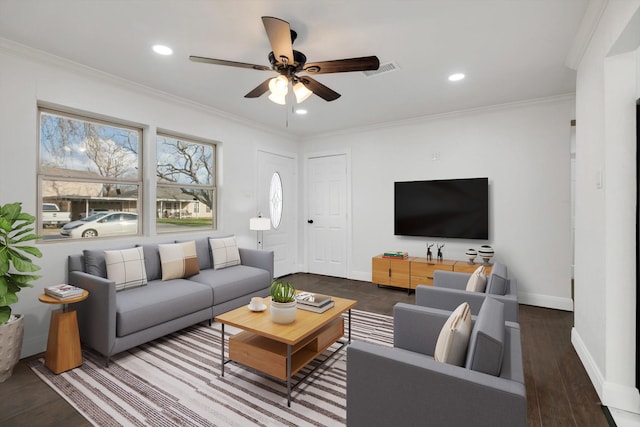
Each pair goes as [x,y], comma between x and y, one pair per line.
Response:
[478,280]
[126,268]
[178,260]
[453,340]
[225,252]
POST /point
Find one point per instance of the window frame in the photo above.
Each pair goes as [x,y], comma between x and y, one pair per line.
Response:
[69,175]
[213,187]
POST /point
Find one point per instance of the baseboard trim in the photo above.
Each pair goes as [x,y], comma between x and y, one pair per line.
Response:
[546,301]
[364,276]
[596,377]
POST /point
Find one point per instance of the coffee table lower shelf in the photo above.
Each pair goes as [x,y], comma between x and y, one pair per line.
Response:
[281,360]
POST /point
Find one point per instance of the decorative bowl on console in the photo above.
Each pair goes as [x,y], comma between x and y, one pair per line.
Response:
[486,253]
[471,254]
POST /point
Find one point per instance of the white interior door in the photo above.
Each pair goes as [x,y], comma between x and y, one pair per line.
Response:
[282,240]
[327,215]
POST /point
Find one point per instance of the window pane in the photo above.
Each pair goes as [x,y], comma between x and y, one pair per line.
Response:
[275,200]
[76,209]
[185,196]
[180,209]
[184,162]
[96,150]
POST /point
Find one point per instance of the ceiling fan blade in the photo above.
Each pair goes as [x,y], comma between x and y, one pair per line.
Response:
[229,63]
[319,89]
[343,65]
[279,33]
[259,90]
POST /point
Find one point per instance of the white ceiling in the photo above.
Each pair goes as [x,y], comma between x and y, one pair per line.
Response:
[510,50]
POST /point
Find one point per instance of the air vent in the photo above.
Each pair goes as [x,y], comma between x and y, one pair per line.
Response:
[387,67]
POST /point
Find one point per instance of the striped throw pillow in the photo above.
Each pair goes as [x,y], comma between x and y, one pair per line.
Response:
[126,268]
[225,252]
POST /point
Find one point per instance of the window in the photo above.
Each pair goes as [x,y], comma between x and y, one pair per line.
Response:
[186,191]
[87,166]
[275,200]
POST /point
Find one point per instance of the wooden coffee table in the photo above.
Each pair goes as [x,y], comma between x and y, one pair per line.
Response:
[281,351]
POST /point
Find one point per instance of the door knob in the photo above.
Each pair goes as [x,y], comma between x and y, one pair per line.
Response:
[310,221]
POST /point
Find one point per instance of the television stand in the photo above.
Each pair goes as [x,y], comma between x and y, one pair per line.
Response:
[413,271]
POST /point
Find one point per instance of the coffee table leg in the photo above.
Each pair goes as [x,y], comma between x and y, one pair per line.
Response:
[349,326]
[289,375]
[222,351]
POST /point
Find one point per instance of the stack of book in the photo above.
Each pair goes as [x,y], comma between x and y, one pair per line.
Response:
[317,303]
[63,292]
[396,255]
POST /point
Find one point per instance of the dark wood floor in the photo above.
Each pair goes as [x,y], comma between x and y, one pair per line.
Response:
[559,392]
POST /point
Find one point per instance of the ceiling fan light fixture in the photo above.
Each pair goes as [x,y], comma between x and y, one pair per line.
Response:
[279,86]
[301,92]
[278,99]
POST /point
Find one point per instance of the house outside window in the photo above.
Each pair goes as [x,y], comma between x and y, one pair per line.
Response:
[186,187]
[88,168]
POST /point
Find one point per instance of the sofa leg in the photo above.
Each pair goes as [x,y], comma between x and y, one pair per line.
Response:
[209,322]
[107,359]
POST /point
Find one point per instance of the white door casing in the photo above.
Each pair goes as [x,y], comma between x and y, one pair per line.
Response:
[327,215]
[283,239]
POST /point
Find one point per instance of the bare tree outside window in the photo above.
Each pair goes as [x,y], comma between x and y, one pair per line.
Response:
[186,194]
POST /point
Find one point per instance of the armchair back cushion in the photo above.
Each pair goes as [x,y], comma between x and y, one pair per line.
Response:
[486,345]
[497,282]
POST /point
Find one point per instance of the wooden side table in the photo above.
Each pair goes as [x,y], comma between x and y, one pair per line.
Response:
[63,345]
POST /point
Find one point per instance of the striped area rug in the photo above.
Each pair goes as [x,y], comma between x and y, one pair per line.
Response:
[175,381]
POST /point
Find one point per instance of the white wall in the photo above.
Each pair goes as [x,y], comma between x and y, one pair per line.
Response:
[27,77]
[523,148]
[605,290]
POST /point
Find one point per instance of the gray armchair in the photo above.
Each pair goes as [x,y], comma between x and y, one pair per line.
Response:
[405,386]
[448,291]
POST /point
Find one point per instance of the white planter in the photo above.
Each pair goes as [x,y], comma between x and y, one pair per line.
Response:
[10,346]
[283,312]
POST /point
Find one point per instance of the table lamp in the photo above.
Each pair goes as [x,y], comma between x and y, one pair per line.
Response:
[259,224]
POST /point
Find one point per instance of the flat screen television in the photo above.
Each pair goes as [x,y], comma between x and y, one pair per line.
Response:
[450,208]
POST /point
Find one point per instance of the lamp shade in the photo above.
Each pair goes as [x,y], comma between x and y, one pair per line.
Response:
[279,85]
[259,224]
[301,92]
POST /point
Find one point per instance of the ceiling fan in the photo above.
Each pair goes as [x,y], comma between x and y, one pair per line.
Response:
[288,62]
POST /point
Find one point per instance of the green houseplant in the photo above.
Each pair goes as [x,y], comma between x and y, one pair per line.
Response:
[283,302]
[16,266]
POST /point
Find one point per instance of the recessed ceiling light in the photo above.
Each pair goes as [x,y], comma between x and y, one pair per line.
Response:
[301,111]
[456,77]
[162,49]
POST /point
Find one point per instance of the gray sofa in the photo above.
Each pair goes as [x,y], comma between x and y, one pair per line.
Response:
[448,291]
[405,386]
[111,322]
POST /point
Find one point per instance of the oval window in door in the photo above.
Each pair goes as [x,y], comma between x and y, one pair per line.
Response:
[275,200]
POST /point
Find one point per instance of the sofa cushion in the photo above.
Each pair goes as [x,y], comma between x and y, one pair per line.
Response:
[126,268]
[233,282]
[203,251]
[159,302]
[497,281]
[94,262]
[152,261]
[451,346]
[478,281]
[486,345]
[179,260]
[225,252]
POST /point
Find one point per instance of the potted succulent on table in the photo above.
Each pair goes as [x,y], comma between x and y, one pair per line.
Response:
[283,302]
[15,259]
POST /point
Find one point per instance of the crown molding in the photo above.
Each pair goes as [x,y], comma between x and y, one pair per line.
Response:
[23,51]
[452,114]
[588,25]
